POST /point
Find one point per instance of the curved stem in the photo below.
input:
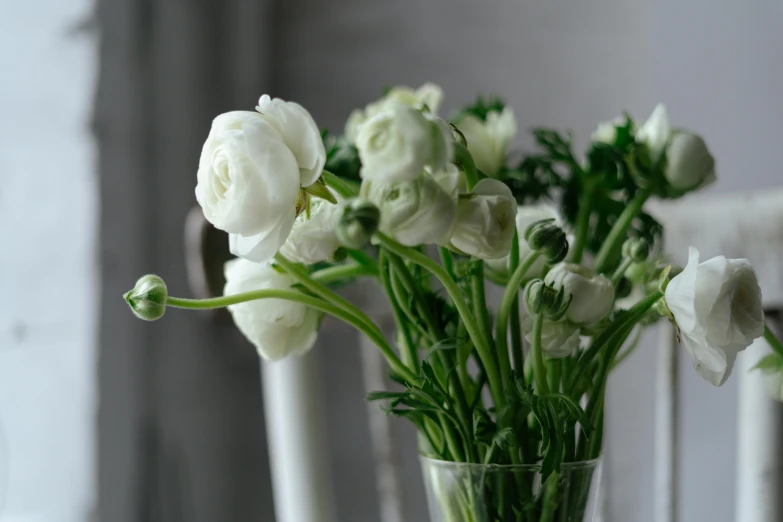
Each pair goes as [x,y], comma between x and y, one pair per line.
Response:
[539,369]
[583,221]
[409,354]
[338,272]
[501,322]
[479,341]
[304,279]
[618,274]
[617,233]
[634,315]
[299,297]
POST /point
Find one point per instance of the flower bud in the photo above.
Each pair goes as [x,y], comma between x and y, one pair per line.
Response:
[148,298]
[636,249]
[593,294]
[689,164]
[534,296]
[541,298]
[358,223]
[546,237]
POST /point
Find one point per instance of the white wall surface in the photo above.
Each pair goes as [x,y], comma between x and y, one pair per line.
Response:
[48,277]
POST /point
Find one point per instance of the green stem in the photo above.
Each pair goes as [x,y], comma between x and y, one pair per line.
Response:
[313,302]
[501,322]
[479,299]
[319,289]
[409,353]
[446,259]
[340,186]
[539,370]
[617,233]
[583,221]
[464,160]
[618,274]
[336,273]
[517,351]
[634,315]
[479,341]
[773,341]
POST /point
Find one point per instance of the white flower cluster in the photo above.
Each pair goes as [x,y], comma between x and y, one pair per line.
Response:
[260,179]
[258,170]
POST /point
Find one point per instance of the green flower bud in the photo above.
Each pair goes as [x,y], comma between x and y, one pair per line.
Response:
[637,249]
[546,237]
[541,298]
[148,298]
[534,296]
[358,223]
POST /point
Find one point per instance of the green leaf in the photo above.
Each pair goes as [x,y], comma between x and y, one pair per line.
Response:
[772,362]
[504,439]
[382,395]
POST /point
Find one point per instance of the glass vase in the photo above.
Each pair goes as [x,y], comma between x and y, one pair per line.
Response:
[460,492]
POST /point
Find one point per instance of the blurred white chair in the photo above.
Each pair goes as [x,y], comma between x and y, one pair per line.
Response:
[738,225]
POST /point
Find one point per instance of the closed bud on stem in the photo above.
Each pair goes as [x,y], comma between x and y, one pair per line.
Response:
[148,298]
[637,249]
[541,298]
[358,222]
[546,237]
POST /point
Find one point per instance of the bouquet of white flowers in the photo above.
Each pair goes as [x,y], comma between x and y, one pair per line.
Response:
[519,384]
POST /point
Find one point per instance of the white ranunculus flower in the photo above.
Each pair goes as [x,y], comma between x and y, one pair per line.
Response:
[276,327]
[300,134]
[655,132]
[558,338]
[397,143]
[485,221]
[689,164]
[488,140]
[251,169]
[314,239]
[526,216]
[416,212]
[606,132]
[428,94]
[592,294]
[717,307]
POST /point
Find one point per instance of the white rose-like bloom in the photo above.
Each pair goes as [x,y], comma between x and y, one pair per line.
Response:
[276,327]
[314,239]
[558,338]
[397,143]
[428,94]
[689,164]
[416,212]
[251,169]
[717,307]
[485,221]
[592,294]
[488,140]
[655,132]
[526,216]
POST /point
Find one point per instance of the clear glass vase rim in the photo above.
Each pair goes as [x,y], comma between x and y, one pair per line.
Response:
[568,466]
